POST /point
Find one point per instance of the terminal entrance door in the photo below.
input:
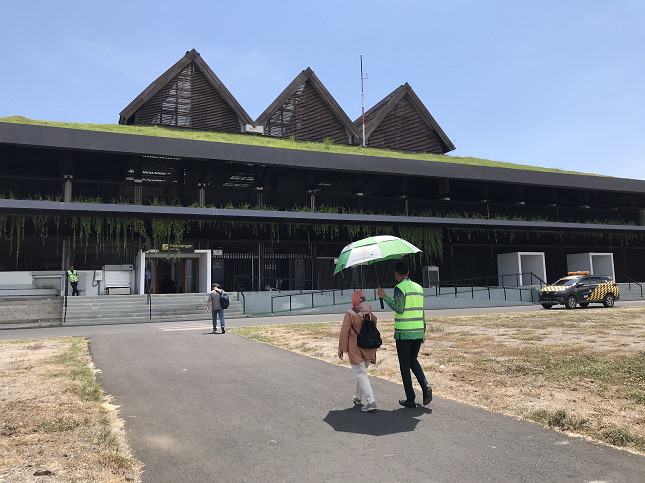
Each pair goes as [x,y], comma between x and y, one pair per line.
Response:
[176,275]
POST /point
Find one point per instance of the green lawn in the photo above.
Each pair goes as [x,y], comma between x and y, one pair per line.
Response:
[272,142]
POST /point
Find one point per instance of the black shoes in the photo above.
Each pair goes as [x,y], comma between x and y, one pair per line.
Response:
[407,404]
[427,396]
[224,332]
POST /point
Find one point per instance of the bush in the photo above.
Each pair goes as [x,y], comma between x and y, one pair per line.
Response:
[618,436]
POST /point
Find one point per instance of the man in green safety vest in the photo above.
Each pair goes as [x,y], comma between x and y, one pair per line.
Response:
[409,332]
[72,276]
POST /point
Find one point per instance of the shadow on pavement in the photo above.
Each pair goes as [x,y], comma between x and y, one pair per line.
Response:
[376,423]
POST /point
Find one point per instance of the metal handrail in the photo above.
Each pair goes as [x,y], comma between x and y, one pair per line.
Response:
[240,290]
[321,292]
[472,279]
[630,281]
[437,289]
[332,291]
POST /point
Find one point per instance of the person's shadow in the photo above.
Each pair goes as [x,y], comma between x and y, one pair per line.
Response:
[376,423]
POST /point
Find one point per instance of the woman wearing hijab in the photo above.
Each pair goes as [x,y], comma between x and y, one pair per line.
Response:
[359,358]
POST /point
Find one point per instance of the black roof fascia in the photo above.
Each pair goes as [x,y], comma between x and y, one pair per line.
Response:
[10,206]
[117,143]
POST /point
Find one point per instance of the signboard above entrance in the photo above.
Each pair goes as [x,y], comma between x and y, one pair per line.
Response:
[181,247]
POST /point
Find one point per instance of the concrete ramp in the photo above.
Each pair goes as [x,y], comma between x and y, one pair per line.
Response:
[132,309]
[24,311]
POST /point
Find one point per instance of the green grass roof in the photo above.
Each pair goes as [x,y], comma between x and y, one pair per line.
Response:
[254,140]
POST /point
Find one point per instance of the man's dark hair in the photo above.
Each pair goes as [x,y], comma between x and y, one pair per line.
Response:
[401,268]
[215,284]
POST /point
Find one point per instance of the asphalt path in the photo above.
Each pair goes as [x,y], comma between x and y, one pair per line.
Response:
[200,407]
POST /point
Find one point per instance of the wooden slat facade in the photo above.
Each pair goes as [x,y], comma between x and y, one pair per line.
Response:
[403,129]
[400,121]
[189,101]
[308,112]
[307,117]
[188,95]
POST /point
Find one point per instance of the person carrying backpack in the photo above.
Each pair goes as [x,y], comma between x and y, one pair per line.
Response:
[219,301]
[359,329]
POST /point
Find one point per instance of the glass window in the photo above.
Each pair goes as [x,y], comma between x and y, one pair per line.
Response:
[567,281]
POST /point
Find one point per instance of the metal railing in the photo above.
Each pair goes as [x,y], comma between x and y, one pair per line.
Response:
[271,284]
[240,290]
[453,284]
[630,280]
[321,292]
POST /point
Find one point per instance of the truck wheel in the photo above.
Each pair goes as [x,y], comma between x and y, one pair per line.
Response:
[608,301]
[571,302]
[584,305]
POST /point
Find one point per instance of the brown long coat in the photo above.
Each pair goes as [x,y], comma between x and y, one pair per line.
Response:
[347,342]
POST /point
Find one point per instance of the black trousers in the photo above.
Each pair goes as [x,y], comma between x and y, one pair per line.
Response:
[74,288]
[408,351]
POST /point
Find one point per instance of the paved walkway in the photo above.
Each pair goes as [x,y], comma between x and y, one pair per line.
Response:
[203,407]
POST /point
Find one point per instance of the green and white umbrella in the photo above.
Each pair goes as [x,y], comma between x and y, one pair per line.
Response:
[373,249]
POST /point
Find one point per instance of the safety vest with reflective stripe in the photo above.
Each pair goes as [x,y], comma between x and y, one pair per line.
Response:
[411,323]
[71,276]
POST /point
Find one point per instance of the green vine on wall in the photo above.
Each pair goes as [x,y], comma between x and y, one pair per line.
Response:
[117,231]
[428,239]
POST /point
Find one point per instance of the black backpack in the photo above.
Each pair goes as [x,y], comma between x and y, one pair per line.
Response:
[369,336]
[223,300]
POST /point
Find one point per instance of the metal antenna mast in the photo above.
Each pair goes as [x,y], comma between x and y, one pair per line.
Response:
[363,98]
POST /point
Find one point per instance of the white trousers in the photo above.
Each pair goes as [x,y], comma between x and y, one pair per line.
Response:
[363,387]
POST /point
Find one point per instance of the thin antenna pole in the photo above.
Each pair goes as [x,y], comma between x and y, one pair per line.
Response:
[363,99]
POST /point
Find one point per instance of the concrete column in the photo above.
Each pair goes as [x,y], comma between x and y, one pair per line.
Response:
[313,202]
[138,192]
[67,197]
[202,197]
[444,189]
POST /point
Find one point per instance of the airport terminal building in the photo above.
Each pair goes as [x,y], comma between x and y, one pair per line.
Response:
[273,201]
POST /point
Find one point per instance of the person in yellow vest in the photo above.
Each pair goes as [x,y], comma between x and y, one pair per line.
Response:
[72,276]
[409,332]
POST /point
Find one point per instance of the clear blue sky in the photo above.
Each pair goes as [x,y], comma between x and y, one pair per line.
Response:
[548,83]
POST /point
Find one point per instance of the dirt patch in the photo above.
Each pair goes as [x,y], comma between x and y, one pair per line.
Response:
[55,422]
[580,371]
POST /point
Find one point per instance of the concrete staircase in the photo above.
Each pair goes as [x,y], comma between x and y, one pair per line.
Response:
[132,309]
[25,311]
[634,294]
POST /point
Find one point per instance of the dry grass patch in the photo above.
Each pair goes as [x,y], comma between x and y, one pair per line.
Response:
[54,419]
[539,366]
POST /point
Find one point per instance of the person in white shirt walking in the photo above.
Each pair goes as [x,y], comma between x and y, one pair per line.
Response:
[214,305]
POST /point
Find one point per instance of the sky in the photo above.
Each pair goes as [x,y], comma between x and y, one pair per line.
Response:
[557,84]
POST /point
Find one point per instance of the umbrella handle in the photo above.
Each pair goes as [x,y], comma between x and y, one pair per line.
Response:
[379,284]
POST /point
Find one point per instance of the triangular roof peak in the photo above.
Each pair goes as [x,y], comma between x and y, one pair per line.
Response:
[375,116]
[192,57]
[292,89]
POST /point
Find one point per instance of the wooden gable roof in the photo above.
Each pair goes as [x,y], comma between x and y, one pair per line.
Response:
[401,121]
[308,112]
[188,95]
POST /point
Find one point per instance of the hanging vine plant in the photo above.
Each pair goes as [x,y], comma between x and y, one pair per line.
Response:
[428,239]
